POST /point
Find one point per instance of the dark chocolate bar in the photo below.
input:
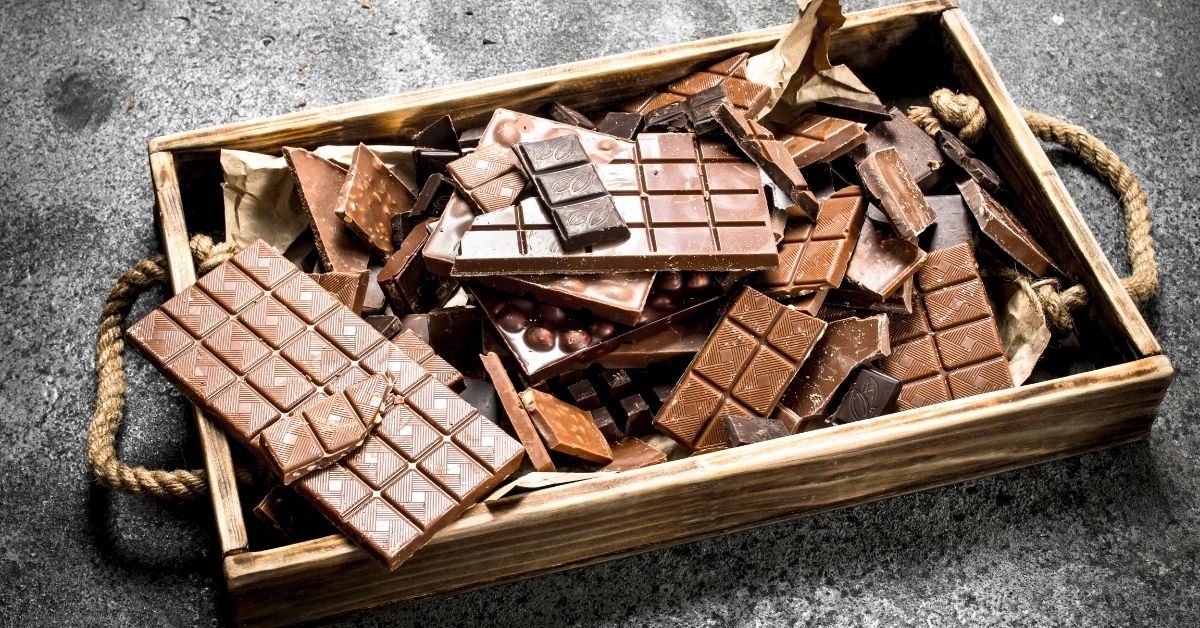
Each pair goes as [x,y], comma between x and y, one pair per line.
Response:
[440,134]
[622,124]
[871,394]
[847,344]
[919,153]
[452,332]
[696,113]
[567,182]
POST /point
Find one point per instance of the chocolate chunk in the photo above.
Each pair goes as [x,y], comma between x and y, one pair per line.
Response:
[409,287]
[420,352]
[386,324]
[635,414]
[881,262]
[702,108]
[441,249]
[277,510]
[953,225]
[489,176]
[469,138]
[814,256]
[771,155]
[430,161]
[847,344]
[565,428]
[567,115]
[348,288]
[453,332]
[1003,228]
[920,154]
[744,368]
[584,395]
[633,453]
[730,74]
[517,416]
[369,199]
[747,430]
[818,138]
[716,222]
[962,156]
[622,124]
[568,184]
[319,183]
[439,135]
[670,117]
[871,394]
[617,297]
[607,425]
[854,110]
[885,177]
[948,348]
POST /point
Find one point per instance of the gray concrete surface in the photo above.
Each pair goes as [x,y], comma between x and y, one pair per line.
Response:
[1107,539]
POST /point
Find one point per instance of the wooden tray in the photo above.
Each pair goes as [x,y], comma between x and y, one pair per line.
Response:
[673,503]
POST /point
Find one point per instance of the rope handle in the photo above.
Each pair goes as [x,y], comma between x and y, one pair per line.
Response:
[962,112]
[958,111]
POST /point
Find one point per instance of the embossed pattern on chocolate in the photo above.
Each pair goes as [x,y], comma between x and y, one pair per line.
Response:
[568,184]
[948,348]
[745,94]
[817,138]
[871,394]
[489,176]
[744,367]
[813,256]
[349,288]
[414,347]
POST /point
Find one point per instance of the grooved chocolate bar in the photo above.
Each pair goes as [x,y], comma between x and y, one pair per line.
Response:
[948,348]
[349,288]
[489,176]
[818,138]
[690,204]
[256,344]
[421,353]
[744,367]
[567,183]
[813,256]
[730,74]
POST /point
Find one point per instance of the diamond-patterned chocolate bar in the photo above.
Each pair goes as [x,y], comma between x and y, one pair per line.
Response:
[730,74]
[489,176]
[948,348]
[282,365]
[815,255]
[743,368]
[821,138]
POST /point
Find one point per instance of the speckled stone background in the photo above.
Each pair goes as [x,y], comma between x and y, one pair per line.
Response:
[1108,539]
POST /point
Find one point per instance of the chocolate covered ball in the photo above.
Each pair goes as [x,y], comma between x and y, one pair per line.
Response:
[539,338]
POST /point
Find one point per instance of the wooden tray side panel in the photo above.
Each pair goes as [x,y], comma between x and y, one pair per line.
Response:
[713,494]
[231,529]
[1041,187]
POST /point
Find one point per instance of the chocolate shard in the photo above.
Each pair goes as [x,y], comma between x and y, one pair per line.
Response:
[871,394]
[948,348]
[676,341]
[430,203]
[567,182]
[881,262]
[854,110]
[622,124]
[1002,227]
[633,453]
[919,153]
[430,161]
[386,324]
[517,416]
[319,183]
[760,145]
[730,74]
[702,108]
[565,428]
[277,510]
[469,138]
[406,282]
[954,224]
[348,288]
[744,368]
[962,156]
[847,344]
[813,256]
[747,430]
[440,134]
[489,176]
[567,115]
[441,249]
[816,138]
[607,425]
[885,177]
[369,199]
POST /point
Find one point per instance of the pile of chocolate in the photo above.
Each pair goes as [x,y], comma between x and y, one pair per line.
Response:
[667,279]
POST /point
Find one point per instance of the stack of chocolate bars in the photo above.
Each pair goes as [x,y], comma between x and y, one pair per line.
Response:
[667,268]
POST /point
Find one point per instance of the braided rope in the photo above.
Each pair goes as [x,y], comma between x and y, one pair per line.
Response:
[111,384]
[964,113]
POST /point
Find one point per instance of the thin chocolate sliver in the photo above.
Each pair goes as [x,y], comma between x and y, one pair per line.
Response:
[567,115]
[1002,227]
[760,145]
[744,368]
[885,177]
[854,110]
[622,124]
[962,156]
[871,394]
[747,430]
[319,183]
[568,184]
[565,428]
[517,415]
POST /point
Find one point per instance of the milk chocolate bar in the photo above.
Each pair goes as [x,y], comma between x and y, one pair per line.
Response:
[886,178]
[817,138]
[882,262]
[747,430]
[517,415]
[730,74]
[1003,228]
[507,128]
[255,341]
[690,205]
[962,156]
[917,150]
[617,297]
[813,256]
[760,145]
[489,176]
[369,199]
[568,185]
[871,394]
[565,428]
[854,110]
[847,344]
[319,183]
[948,348]
[633,453]
[406,283]
[744,368]
[622,124]
[348,288]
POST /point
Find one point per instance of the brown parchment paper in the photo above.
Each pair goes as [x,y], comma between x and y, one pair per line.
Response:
[1024,332]
[260,200]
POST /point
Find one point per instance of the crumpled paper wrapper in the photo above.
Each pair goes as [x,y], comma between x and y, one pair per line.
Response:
[798,69]
[1024,332]
[260,200]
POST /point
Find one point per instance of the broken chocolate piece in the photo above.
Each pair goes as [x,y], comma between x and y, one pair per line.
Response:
[855,110]
[517,416]
[847,344]
[567,182]
[920,154]
[885,177]
[386,324]
[369,199]
[814,256]
[747,430]
[489,176]
[567,115]
[565,428]
[771,155]
[1003,228]
[452,332]
[622,124]
[319,183]
[962,156]
[881,262]
[818,138]
[348,288]
[954,224]
[730,74]
[632,453]
[469,138]
[607,425]
[440,134]
[409,287]
[441,249]
[871,394]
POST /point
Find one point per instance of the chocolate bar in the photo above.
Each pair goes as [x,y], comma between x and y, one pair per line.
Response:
[348,288]
[747,430]
[319,183]
[434,148]
[760,145]
[847,344]
[420,352]
[1003,228]
[815,255]
[817,138]
[565,428]
[919,153]
[622,124]
[255,341]
[853,110]
[409,287]
[568,185]
[962,156]
[633,453]
[953,225]
[618,297]
[678,219]
[881,262]
[871,394]
[441,249]
[517,416]
[489,176]
[948,348]
[369,199]
[730,74]
[430,203]
[567,115]
[886,178]
[744,368]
